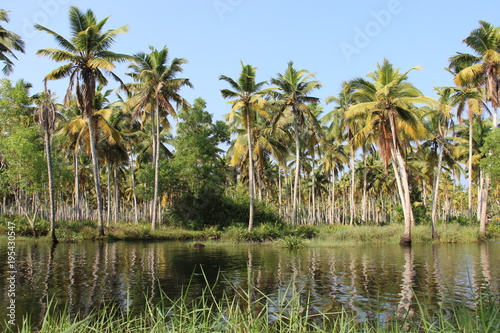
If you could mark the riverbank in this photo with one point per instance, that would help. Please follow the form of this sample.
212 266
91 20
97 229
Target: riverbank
286 235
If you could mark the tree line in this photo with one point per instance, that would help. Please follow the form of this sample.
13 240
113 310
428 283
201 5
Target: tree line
377 152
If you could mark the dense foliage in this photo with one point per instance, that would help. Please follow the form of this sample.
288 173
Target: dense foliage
378 153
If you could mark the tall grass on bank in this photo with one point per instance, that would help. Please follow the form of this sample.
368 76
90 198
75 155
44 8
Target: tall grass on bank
250 310
335 234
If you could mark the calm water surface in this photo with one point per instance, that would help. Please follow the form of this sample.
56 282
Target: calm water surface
386 278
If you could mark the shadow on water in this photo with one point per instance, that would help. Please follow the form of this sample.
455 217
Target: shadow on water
371 282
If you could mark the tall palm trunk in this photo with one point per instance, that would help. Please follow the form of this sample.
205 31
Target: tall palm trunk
154 208
364 209
108 205
435 191
97 178
77 186
352 208
116 192
297 171
403 185
471 130
48 152
136 217
251 181
483 204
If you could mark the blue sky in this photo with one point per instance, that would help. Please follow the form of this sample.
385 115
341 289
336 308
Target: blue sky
338 40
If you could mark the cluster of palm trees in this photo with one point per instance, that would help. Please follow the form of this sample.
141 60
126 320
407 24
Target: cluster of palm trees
384 152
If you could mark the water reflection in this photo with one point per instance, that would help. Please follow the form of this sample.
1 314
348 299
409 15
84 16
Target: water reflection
371 282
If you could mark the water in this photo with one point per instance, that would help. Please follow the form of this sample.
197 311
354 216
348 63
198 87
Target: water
385 278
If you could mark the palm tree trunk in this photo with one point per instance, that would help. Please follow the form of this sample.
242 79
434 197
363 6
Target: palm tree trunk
136 217
77 186
251 182
97 178
116 192
471 129
484 204
108 205
435 191
48 152
333 198
280 212
352 209
364 209
405 198
297 171
154 208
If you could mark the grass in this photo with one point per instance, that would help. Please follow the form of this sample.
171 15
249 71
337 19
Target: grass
73 231
250 310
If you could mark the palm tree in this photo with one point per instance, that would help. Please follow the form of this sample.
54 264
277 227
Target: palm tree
247 99
482 70
343 101
88 59
293 95
470 98
9 43
155 90
386 108
46 118
442 120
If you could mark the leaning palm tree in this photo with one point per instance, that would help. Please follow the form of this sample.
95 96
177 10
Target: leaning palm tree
483 69
87 59
387 110
293 95
154 92
247 98
9 43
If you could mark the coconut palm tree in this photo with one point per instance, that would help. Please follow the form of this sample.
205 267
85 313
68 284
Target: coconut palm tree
344 130
483 69
247 98
46 118
88 59
154 93
442 122
9 43
293 95
386 109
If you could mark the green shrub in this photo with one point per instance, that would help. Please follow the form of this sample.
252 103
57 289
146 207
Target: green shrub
291 242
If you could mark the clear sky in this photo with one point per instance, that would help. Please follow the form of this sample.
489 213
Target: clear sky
338 40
